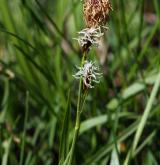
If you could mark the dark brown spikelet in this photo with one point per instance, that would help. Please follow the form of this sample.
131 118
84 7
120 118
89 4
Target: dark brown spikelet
96 12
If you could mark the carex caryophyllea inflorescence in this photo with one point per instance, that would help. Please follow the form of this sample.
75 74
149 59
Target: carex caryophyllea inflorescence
89 73
96 14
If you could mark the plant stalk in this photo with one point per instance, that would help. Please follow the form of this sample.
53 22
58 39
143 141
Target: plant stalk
78 116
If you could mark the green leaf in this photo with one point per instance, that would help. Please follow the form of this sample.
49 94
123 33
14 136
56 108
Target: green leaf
6 145
146 113
103 151
65 132
24 129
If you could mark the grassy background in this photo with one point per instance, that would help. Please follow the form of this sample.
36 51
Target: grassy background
38 94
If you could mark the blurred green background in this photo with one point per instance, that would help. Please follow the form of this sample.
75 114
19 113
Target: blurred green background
38 93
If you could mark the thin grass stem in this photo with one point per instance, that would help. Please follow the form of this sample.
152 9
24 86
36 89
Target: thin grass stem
78 116
24 130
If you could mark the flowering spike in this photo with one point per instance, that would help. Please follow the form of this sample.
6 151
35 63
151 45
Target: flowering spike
89 36
89 73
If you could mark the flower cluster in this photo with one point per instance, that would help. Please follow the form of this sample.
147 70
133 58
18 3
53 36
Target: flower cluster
95 15
89 73
89 36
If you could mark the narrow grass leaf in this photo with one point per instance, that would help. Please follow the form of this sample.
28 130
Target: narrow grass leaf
114 158
108 147
37 66
65 132
99 120
4 104
24 129
150 159
6 145
145 142
146 113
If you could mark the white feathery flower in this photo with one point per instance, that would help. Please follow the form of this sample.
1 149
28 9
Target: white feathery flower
89 35
89 73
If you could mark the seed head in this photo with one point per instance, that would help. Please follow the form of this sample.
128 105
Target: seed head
96 12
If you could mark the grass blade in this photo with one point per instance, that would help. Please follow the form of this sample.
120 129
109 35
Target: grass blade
108 148
6 146
64 136
24 129
146 114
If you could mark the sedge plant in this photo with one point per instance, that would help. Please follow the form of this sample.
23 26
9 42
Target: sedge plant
95 16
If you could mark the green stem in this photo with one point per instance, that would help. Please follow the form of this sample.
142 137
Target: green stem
24 129
78 116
